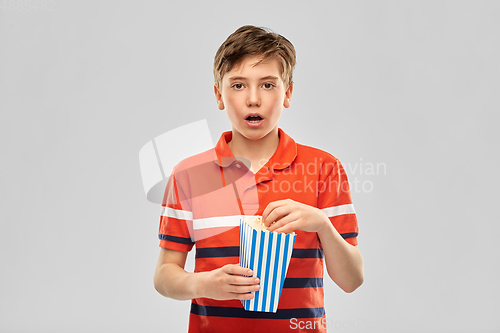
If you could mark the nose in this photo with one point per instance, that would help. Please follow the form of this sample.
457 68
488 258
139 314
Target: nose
253 97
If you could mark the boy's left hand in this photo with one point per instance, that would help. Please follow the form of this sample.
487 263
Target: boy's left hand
290 215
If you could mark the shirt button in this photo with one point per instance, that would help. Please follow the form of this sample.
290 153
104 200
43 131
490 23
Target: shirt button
238 165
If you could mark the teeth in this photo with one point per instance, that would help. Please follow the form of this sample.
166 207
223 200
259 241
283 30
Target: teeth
254 119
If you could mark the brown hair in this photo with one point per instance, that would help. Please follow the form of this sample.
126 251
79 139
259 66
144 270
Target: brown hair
248 41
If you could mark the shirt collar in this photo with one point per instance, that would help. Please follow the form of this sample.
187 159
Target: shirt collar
283 156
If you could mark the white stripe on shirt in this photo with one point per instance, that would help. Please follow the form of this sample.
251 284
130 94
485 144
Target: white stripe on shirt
234 220
339 210
176 213
218 221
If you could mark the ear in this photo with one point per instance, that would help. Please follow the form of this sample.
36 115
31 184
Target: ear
218 98
288 96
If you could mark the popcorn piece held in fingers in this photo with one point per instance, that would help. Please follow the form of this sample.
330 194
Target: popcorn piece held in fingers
257 223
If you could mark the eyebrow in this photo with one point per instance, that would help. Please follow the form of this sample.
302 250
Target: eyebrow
269 77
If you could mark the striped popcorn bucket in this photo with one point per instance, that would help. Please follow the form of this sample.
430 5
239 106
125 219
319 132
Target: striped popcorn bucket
267 254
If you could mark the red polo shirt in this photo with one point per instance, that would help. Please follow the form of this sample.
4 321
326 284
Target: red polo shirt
205 198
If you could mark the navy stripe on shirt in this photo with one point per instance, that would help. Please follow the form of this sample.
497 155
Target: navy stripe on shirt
349 235
215 252
303 283
176 239
222 311
234 251
307 253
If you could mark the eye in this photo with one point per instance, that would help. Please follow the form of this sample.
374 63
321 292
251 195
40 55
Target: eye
237 86
268 85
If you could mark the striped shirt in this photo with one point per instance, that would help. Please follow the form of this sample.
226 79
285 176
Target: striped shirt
207 194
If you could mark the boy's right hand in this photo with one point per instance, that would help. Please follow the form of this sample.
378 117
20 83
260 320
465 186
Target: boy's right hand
225 283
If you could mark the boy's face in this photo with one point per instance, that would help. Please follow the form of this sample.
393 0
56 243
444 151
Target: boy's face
254 97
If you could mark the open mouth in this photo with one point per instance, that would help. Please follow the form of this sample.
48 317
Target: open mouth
254 119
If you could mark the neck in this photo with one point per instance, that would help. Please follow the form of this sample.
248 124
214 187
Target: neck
258 152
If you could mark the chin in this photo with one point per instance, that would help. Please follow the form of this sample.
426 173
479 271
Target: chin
256 134
254 137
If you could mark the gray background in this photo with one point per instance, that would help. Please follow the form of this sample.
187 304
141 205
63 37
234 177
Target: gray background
410 85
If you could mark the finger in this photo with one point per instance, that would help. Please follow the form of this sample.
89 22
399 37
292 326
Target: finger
244 289
245 296
282 222
235 269
277 214
245 281
288 228
270 207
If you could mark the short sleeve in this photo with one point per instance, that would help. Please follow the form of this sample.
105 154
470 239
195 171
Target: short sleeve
176 218
334 198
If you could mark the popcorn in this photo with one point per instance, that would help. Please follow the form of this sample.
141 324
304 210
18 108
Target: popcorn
258 219
257 223
267 254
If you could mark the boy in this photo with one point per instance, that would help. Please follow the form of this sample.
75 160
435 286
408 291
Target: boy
256 169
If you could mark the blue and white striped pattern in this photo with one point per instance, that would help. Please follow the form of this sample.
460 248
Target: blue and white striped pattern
267 254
